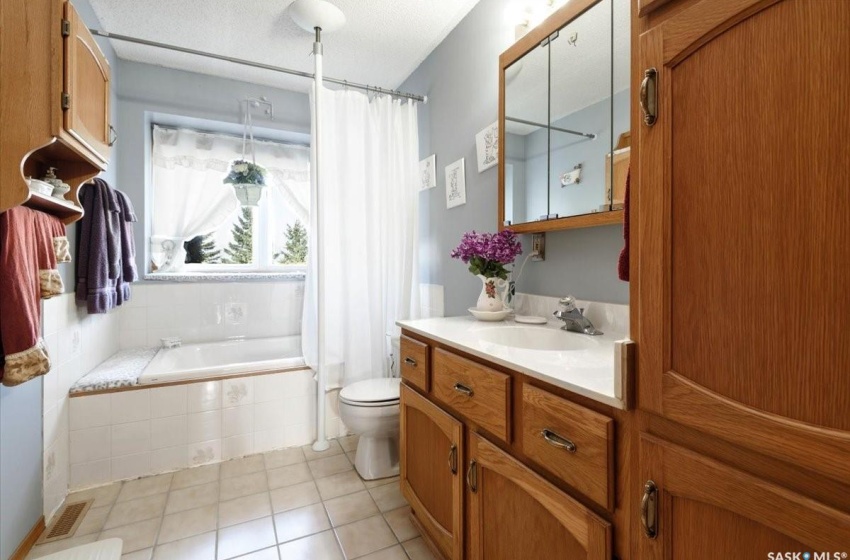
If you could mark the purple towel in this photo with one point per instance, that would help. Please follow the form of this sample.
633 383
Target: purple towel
128 248
99 258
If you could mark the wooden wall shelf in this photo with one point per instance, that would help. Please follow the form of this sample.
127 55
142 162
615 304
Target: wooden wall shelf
65 210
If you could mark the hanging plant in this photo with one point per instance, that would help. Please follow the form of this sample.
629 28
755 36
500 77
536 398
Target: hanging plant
244 172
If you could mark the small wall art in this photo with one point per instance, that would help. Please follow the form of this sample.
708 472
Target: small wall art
455 184
487 146
428 172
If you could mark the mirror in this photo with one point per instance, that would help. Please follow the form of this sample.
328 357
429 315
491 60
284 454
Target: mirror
565 109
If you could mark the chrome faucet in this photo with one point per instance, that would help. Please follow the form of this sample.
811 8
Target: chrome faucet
573 318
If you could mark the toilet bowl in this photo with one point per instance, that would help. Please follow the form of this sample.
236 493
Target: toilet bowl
370 409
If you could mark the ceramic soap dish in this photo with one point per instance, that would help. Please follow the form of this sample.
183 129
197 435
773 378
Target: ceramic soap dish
490 315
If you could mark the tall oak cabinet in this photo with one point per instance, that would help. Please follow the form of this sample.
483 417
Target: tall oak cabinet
741 277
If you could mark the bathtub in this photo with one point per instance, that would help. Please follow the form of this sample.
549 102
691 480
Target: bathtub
223 359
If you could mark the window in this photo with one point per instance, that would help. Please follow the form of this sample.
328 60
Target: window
197 223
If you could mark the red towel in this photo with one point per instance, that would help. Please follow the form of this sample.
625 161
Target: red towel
623 263
24 249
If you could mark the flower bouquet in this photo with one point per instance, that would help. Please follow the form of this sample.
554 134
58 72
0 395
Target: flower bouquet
487 254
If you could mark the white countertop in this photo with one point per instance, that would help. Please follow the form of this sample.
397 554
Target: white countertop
590 371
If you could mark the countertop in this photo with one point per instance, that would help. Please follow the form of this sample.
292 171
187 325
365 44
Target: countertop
591 372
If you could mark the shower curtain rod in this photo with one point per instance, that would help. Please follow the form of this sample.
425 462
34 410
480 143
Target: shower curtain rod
345 83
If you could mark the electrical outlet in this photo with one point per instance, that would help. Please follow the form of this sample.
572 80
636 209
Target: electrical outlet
538 245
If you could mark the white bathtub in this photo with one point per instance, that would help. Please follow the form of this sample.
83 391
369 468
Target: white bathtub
221 359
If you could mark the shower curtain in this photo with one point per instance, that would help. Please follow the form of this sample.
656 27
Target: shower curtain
368 203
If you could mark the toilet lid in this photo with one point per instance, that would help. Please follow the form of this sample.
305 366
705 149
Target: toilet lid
371 391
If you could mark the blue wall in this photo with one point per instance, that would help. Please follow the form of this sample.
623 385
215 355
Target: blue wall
461 79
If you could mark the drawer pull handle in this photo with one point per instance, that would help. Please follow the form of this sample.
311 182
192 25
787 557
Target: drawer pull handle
453 458
649 510
461 388
472 476
410 361
558 441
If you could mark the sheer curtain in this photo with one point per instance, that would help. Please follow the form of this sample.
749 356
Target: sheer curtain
369 161
189 197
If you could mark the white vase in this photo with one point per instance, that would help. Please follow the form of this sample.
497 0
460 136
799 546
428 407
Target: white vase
492 296
248 194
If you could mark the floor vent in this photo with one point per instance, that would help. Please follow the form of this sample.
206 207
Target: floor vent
65 522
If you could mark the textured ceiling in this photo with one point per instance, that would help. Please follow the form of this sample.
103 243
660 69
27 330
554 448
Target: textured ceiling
581 73
382 43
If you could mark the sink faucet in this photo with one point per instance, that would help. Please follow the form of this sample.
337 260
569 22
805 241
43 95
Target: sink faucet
573 318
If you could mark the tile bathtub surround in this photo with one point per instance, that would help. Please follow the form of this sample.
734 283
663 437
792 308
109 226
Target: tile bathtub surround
189 514
141 432
76 342
214 311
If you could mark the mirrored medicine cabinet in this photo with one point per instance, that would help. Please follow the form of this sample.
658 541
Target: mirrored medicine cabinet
564 119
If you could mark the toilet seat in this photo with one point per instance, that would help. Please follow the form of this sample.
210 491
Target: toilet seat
372 393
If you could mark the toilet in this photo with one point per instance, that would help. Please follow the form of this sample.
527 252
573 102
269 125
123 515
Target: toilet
370 409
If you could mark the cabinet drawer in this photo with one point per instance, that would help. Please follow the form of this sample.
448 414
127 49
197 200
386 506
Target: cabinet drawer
570 441
414 362
475 391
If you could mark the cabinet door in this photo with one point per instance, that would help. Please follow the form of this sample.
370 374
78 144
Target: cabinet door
705 510
744 310
514 513
87 87
431 457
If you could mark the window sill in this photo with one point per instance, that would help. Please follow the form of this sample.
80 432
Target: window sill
224 276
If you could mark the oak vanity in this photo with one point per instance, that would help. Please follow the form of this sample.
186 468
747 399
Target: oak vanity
509 438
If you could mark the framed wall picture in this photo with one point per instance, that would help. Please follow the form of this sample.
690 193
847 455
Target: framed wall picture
487 147
455 184
428 172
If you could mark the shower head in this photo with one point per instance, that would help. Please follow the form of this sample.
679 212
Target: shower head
310 14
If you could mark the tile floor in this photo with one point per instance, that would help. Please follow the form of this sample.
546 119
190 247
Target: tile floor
290 504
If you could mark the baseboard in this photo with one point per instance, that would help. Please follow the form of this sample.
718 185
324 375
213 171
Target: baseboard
26 544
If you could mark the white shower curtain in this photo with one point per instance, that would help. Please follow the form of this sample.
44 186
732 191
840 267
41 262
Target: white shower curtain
368 164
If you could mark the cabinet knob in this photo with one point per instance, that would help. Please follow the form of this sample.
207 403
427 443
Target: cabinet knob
410 361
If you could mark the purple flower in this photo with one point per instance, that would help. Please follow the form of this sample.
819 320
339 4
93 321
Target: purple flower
487 253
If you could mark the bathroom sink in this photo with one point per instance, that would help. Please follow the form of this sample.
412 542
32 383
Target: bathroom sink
536 338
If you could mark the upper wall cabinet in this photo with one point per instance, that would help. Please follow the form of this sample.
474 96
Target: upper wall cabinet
564 119
54 104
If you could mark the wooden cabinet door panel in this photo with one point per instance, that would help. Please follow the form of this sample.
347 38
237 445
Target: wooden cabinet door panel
514 513
708 510
431 446
744 307
87 84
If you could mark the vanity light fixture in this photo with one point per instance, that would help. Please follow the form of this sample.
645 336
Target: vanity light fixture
525 15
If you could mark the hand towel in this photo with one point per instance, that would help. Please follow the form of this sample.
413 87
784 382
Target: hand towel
48 230
23 251
623 263
99 256
128 247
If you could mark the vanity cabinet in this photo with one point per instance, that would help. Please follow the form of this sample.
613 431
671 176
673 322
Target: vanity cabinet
514 513
431 457
54 104
739 275
496 465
